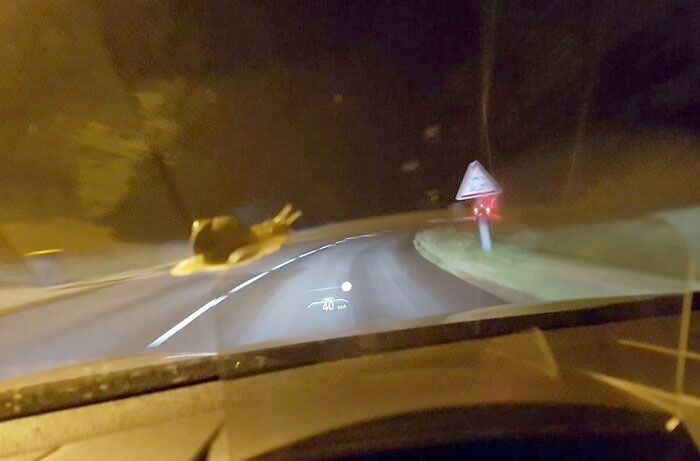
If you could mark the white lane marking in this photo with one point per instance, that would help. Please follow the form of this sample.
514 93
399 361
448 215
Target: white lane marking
354 237
248 282
186 321
281 265
193 316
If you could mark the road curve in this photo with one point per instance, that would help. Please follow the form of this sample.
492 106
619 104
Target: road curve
279 298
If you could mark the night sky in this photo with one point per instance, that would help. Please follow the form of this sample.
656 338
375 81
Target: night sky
428 40
425 39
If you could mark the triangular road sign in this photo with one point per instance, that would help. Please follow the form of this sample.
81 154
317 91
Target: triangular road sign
477 182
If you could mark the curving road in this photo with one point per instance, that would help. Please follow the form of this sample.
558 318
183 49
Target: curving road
279 298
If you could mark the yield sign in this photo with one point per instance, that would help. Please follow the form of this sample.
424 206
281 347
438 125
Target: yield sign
477 182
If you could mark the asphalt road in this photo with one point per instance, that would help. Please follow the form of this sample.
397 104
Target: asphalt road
278 298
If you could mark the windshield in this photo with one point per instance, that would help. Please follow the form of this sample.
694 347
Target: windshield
182 179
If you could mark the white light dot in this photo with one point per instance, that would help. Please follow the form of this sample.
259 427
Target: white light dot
672 423
346 286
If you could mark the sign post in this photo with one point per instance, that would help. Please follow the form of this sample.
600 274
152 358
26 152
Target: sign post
478 184
484 233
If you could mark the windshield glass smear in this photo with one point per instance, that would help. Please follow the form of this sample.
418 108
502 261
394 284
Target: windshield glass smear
182 180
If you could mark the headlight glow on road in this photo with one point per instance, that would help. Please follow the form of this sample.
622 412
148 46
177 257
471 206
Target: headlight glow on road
346 286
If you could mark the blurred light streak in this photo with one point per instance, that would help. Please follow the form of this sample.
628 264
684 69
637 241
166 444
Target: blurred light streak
446 221
431 131
188 355
659 349
683 337
410 166
490 10
323 289
586 103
